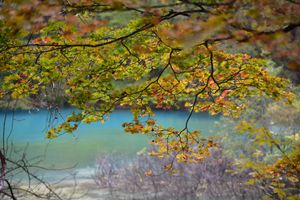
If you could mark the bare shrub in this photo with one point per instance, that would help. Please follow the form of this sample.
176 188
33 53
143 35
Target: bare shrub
145 178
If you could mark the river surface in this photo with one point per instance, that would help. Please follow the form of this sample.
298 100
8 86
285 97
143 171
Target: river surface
81 149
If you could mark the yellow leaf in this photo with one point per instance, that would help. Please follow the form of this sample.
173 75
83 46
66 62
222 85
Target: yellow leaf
148 173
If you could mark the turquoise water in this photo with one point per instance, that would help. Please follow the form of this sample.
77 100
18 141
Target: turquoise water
90 140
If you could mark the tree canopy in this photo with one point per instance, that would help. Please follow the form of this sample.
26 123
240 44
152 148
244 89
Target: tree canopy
145 55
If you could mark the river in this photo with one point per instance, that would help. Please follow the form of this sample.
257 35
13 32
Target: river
81 149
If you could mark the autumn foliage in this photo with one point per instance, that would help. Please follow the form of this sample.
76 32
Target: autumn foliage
101 55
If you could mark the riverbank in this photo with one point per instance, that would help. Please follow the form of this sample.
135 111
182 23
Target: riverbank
28 104
83 189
